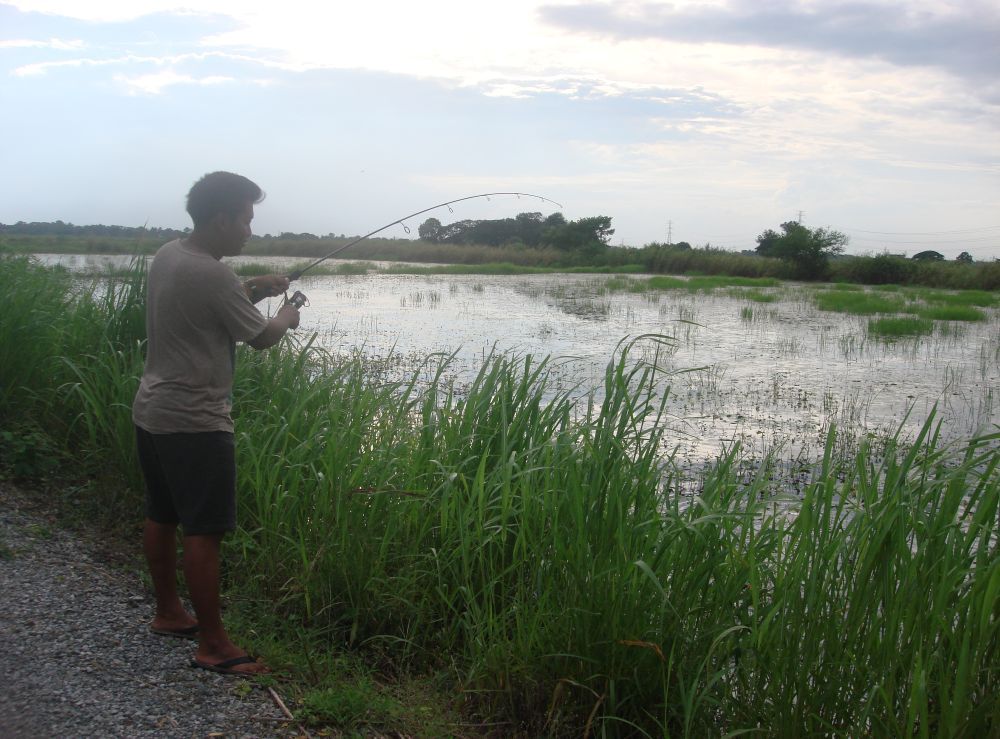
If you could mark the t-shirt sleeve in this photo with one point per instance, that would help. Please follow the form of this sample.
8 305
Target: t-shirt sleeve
241 319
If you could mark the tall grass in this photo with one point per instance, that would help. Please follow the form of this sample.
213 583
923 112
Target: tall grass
537 554
74 360
35 304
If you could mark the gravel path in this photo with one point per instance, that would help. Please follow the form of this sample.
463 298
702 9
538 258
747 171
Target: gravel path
76 656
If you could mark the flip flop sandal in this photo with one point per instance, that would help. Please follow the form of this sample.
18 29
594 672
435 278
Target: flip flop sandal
226 668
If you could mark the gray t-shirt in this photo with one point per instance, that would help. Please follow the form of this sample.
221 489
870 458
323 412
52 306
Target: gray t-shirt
196 311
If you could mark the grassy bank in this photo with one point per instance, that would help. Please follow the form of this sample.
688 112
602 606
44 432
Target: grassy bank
533 558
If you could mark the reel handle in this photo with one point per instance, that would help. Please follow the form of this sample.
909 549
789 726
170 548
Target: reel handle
298 299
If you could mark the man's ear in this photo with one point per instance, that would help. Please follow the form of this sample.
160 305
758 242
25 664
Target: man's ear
220 222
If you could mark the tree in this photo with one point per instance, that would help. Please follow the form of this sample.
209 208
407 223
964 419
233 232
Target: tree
928 256
430 230
529 228
964 257
593 233
807 250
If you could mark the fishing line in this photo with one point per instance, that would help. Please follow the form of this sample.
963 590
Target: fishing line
299 272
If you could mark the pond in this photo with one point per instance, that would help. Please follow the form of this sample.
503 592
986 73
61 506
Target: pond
771 376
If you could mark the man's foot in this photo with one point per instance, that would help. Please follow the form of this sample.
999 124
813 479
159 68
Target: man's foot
187 632
178 623
242 666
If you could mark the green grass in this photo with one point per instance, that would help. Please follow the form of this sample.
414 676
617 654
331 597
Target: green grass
753 295
952 313
859 303
495 268
966 298
900 326
532 556
709 283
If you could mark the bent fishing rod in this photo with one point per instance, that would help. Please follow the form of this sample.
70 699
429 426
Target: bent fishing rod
298 299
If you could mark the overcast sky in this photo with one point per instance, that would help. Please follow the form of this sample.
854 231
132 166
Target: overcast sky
705 121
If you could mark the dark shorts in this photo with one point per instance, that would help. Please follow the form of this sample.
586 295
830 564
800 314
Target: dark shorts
190 480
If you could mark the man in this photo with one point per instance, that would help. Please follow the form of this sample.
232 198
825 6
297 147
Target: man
197 310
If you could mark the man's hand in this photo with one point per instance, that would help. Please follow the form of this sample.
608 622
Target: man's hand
286 319
290 314
265 286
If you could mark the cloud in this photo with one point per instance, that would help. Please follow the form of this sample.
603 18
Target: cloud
154 84
962 40
52 43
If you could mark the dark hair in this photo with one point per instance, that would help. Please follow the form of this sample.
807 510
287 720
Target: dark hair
221 192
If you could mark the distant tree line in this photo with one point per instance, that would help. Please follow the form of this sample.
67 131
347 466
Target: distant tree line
526 229
58 228
794 252
935 256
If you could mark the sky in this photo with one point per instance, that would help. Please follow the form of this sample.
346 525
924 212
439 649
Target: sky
706 121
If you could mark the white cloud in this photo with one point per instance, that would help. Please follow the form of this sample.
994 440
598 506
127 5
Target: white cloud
117 10
52 43
154 84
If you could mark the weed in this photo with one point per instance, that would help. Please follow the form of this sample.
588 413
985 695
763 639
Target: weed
351 705
40 531
27 453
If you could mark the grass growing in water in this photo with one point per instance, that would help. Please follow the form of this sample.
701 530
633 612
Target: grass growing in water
979 298
706 284
952 313
535 555
859 303
897 326
753 295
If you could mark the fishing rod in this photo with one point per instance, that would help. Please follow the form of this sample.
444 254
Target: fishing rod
299 272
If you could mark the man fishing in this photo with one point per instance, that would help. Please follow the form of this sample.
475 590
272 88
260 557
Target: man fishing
197 310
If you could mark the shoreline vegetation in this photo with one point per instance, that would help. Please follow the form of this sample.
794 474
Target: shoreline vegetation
881 269
407 552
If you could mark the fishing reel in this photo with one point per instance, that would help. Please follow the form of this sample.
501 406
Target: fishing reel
298 299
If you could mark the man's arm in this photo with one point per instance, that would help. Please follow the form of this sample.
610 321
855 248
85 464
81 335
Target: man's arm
285 319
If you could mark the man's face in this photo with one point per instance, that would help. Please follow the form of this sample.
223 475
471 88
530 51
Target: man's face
234 230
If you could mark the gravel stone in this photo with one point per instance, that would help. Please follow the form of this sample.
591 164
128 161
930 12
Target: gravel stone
77 658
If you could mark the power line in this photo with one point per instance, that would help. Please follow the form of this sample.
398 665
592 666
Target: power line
978 240
925 233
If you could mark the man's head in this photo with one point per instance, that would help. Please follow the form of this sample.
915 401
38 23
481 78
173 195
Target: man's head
221 206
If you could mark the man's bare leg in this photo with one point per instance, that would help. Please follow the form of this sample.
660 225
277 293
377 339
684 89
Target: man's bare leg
159 543
201 569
